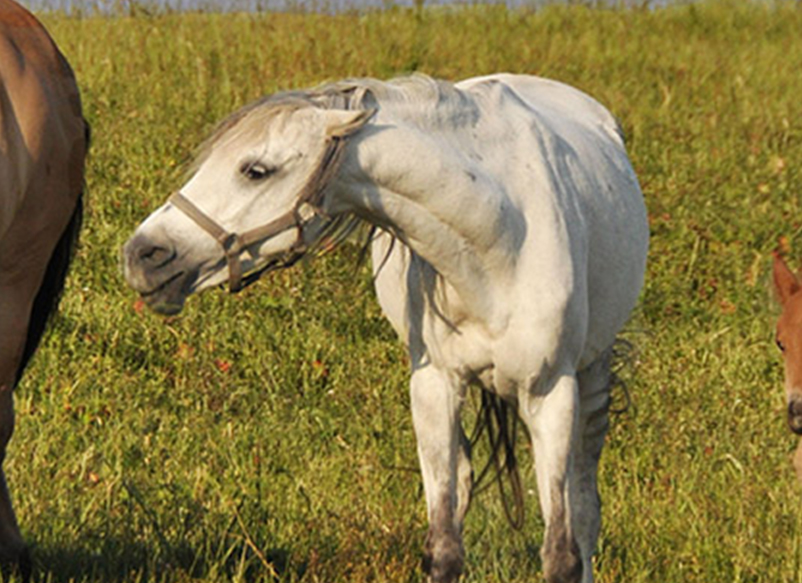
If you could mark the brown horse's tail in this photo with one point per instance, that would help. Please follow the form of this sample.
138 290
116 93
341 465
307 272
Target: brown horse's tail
49 294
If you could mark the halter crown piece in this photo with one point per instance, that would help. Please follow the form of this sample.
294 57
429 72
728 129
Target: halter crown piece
307 206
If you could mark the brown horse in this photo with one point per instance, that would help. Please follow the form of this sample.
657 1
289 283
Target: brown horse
43 144
788 286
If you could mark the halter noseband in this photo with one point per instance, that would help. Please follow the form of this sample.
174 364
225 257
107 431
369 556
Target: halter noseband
305 209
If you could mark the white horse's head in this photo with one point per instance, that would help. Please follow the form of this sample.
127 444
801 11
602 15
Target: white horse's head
253 203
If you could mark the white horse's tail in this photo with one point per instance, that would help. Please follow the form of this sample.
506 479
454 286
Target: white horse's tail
499 420
622 358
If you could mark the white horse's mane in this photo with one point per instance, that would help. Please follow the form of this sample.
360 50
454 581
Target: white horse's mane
417 98
411 97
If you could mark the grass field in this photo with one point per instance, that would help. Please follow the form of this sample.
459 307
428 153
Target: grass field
268 434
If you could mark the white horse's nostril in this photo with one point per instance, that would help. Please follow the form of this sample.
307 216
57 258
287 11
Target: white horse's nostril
143 253
156 256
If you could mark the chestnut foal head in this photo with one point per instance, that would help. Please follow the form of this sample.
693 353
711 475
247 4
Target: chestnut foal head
788 286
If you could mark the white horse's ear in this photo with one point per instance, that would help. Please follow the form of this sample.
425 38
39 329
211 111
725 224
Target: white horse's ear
342 123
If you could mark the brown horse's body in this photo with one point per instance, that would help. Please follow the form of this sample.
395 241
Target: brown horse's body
788 286
43 143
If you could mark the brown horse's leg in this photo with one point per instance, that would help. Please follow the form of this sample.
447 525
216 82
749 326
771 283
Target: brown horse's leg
12 547
34 256
15 306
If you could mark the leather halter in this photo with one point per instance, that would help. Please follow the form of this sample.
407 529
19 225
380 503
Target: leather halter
307 206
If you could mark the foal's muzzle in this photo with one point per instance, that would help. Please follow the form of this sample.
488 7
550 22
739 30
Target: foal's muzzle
795 415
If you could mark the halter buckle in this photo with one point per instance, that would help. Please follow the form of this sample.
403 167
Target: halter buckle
232 244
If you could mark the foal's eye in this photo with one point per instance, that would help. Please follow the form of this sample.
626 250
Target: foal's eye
780 345
256 170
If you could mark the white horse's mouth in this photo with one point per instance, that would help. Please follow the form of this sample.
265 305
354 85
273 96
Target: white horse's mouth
162 286
168 297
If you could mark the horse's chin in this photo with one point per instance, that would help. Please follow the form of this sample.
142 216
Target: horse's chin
165 307
168 299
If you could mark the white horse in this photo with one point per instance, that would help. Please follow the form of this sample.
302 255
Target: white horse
512 248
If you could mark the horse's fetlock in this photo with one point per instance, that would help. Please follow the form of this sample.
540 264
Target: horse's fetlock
566 569
562 561
443 558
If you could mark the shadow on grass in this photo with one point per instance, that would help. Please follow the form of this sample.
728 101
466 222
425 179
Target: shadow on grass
117 561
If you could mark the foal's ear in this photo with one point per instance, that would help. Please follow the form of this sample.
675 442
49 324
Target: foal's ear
786 283
341 123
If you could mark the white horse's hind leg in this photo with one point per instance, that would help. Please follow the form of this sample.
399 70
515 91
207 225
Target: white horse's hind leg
435 415
464 480
552 418
594 401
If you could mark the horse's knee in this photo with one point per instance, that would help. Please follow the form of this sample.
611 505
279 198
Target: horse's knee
562 561
443 556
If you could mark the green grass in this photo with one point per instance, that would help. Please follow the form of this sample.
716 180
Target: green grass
270 431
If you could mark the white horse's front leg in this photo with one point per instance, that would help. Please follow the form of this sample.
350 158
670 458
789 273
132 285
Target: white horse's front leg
552 418
436 399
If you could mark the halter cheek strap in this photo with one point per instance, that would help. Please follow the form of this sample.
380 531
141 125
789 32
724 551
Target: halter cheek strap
234 244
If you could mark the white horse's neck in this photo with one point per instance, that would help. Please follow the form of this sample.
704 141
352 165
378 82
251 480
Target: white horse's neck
441 205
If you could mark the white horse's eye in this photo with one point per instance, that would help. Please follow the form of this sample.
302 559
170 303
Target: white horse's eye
256 170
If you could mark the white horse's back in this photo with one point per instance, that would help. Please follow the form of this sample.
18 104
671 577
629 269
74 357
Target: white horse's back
564 105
